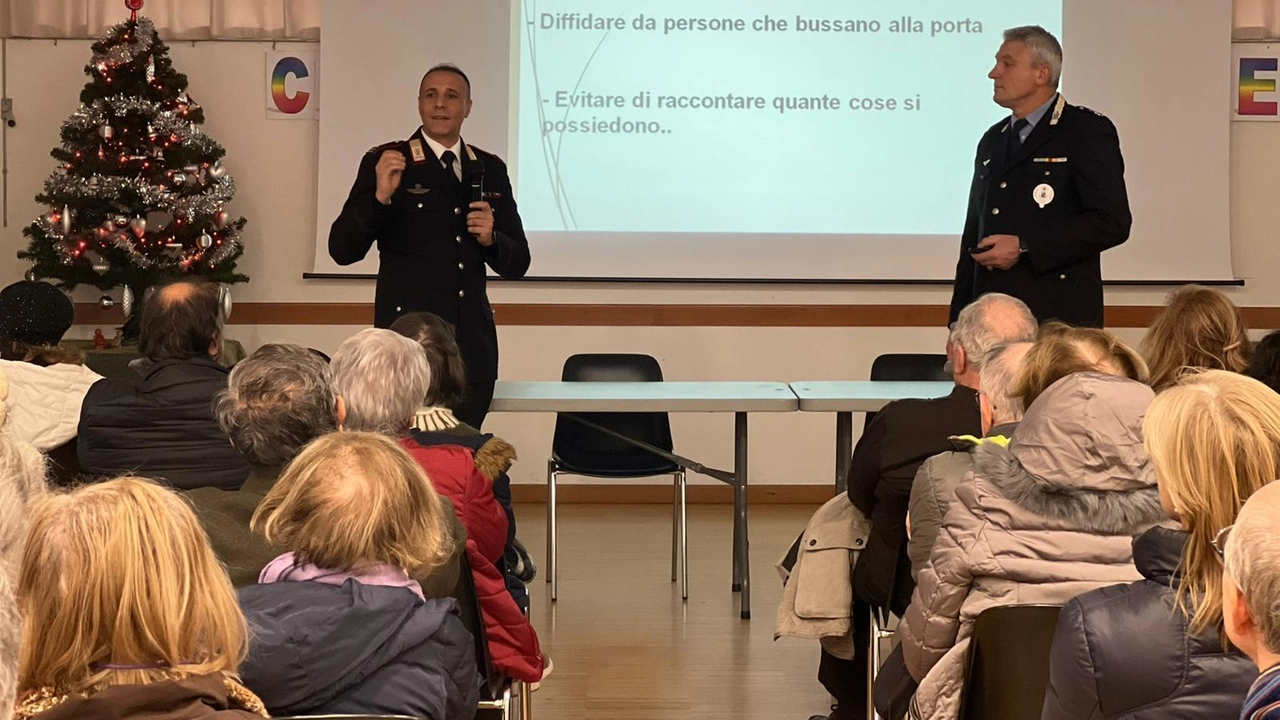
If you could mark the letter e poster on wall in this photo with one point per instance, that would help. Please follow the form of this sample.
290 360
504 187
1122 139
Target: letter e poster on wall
293 85
1255 71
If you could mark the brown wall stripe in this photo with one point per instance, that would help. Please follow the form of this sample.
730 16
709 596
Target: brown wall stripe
548 314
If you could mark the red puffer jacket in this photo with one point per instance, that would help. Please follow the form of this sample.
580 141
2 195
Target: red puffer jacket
513 643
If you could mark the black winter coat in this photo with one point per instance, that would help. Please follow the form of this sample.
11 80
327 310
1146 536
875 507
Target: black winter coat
892 448
356 649
158 423
1124 652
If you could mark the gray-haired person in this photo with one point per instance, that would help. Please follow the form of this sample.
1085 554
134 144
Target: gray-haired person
1251 596
935 482
277 400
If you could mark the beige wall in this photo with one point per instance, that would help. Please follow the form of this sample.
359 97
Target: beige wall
274 163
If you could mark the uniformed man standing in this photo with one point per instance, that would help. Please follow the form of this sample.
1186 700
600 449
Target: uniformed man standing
414 197
1048 193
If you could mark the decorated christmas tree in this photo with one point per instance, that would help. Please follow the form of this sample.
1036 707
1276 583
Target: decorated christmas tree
138 194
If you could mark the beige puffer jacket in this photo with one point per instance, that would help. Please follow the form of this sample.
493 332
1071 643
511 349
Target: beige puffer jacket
1041 521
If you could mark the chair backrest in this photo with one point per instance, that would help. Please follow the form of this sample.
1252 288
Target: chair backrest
587 449
1009 662
907 367
910 366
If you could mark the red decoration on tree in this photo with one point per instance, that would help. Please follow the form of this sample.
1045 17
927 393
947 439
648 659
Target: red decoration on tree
134 6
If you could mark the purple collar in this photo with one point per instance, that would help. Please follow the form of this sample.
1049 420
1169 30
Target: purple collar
286 568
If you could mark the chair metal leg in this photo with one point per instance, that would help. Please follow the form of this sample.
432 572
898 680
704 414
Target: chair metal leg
551 529
675 525
526 702
873 664
684 536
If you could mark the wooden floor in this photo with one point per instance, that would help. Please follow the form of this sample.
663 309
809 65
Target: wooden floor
624 645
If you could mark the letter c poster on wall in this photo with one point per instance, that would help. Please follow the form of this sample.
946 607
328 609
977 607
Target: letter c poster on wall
293 85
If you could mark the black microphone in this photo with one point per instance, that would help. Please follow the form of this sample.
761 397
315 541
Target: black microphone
475 179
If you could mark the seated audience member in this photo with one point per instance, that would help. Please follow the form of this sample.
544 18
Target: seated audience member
10 647
278 400
1251 596
1264 365
159 421
126 612
892 447
1214 440
1060 351
1048 517
47 383
339 625
22 485
935 483
1064 350
435 424
1198 328
383 376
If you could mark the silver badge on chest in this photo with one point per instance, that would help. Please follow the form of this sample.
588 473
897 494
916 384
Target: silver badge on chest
1043 194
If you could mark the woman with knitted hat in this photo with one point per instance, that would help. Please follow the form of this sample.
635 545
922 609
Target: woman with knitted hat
47 383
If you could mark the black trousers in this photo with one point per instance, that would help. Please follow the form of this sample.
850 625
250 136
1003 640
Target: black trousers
475 406
846 680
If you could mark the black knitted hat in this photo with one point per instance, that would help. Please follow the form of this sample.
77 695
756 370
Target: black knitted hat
35 313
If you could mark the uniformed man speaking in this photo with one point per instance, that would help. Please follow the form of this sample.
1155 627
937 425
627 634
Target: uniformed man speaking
1048 193
440 211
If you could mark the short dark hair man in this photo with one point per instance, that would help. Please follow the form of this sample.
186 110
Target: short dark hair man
158 421
414 198
1048 193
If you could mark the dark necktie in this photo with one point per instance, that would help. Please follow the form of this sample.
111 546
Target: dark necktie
446 160
1015 137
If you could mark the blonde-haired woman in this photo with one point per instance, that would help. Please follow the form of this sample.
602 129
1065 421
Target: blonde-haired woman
1155 648
1063 350
339 625
126 611
1199 328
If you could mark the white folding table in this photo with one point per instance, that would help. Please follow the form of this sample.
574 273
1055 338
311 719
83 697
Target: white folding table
844 398
739 398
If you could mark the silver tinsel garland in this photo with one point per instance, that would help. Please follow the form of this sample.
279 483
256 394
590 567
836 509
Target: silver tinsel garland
143 38
163 122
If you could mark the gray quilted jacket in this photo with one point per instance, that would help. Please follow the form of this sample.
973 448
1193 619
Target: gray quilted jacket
1048 518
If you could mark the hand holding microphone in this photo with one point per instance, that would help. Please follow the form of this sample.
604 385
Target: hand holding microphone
480 219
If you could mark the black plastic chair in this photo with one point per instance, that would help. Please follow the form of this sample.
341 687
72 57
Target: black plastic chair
498 693
1009 662
909 367
577 449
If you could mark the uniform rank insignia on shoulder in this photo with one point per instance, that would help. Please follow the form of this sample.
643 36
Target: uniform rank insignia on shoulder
1089 109
483 152
384 146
